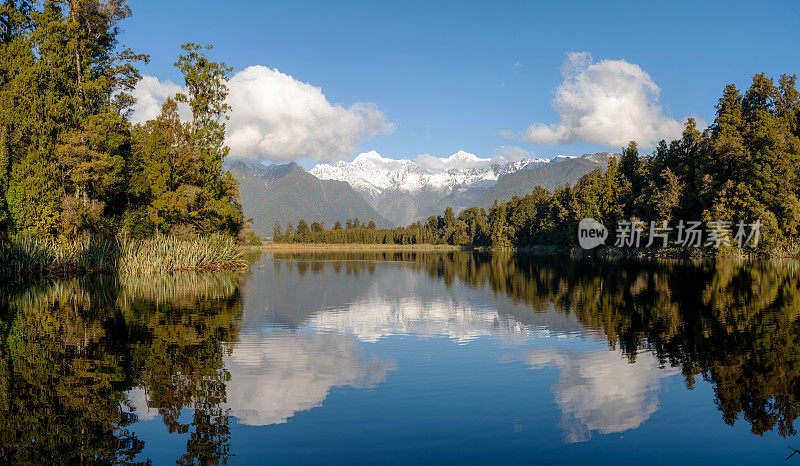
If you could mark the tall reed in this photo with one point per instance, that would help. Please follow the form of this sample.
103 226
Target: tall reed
166 253
28 255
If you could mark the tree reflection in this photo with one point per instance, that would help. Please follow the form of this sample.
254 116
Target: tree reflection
71 350
73 353
735 324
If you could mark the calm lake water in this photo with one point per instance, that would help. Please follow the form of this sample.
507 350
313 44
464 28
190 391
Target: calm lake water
406 358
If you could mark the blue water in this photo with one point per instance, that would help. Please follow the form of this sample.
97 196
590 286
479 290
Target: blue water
391 365
370 358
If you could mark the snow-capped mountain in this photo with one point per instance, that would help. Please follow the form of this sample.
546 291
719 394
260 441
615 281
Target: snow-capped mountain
562 158
371 174
405 191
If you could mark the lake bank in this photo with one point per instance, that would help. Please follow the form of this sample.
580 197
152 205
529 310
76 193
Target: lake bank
310 247
609 252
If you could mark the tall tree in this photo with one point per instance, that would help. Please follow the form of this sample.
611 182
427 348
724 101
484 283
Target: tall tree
206 81
64 92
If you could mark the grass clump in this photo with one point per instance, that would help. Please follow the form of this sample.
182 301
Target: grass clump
28 255
166 253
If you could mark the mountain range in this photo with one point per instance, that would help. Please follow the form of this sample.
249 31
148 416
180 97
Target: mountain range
560 171
394 192
287 193
405 191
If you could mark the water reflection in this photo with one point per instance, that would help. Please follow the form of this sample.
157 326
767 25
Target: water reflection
80 358
600 390
83 360
274 378
734 324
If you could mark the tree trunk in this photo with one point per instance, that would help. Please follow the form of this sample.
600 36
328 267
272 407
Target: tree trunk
73 5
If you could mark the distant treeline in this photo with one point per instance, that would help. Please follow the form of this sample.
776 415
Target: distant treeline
437 230
71 163
743 168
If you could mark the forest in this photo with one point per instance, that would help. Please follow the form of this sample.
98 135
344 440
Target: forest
72 165
743 168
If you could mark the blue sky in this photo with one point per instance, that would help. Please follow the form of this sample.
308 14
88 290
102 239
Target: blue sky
450 75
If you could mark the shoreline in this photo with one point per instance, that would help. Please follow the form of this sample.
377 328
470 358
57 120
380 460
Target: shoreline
600 253
306 247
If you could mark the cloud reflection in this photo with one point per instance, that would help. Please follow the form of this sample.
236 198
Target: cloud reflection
601 390
276 376
375 318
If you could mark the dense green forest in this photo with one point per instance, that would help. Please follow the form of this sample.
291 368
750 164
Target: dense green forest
744 167
73 166
71 163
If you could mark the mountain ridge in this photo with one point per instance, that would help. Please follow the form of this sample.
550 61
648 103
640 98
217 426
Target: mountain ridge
560 171
404 191
287 193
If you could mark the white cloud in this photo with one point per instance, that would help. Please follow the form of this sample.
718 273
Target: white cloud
610 102
279 118
138 403
150 94
514 153
274 378
276 117
506 134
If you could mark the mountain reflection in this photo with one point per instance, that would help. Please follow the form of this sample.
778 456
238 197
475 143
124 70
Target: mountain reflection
733 324
82 360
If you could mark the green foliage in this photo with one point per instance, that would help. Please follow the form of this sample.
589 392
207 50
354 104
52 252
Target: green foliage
167 253
206 81
71 164
469 228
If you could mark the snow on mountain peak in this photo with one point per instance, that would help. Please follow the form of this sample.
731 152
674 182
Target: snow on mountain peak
463 155
371 174
459 161
561 158
371 155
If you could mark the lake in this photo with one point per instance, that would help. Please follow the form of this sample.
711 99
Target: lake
367 357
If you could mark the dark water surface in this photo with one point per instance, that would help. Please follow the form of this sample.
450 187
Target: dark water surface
406 358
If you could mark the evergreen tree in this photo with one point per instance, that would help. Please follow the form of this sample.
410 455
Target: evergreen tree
629 162
303 233
276 232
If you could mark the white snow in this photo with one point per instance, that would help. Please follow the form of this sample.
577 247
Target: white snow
562 158
370 173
